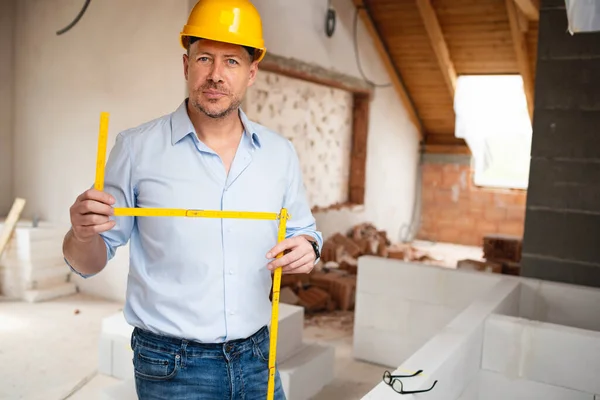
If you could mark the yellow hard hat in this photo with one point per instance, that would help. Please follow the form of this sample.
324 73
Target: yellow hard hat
229 21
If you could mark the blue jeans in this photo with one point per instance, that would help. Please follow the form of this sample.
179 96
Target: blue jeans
168 368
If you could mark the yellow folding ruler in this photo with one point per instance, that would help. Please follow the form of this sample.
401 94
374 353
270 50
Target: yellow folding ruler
282 216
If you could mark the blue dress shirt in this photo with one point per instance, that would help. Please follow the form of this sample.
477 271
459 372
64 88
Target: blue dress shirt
202 279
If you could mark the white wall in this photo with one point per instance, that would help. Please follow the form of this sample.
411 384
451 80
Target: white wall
7 14
400 305
542 352
295 29
560 303
122 57
453 355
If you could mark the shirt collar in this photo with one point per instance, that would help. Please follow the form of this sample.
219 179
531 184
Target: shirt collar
181 126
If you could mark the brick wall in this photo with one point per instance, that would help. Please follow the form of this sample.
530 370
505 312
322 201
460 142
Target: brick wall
563 207
454 210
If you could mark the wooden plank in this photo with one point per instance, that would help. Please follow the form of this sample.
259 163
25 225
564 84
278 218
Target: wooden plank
389 66
11 222
520 45
530 8
446 149
358 161
438 43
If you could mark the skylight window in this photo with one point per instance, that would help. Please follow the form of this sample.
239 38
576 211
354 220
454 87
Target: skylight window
492 117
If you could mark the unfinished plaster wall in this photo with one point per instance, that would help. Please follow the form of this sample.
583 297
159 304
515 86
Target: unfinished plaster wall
7 18
296 30
318 121
122 57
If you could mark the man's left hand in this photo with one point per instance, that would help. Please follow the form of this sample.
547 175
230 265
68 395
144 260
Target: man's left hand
299 256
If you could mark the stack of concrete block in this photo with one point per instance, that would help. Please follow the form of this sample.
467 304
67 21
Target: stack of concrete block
401 305
305 368
32 267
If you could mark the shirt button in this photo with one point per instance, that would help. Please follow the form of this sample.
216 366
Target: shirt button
231 313
230 272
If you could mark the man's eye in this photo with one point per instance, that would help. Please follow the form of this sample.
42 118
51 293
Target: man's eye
203 59
232 61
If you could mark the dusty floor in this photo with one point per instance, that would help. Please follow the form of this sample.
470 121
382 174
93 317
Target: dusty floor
49 351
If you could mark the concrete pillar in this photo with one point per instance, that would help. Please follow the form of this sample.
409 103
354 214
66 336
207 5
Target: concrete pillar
562 223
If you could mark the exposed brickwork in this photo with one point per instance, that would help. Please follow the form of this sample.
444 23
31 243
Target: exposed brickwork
455 210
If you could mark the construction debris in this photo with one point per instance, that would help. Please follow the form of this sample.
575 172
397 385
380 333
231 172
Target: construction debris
502 247
331 286
335 320
502 255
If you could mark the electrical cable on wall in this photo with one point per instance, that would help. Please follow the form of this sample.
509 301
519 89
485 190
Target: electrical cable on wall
409 231
76 20
357 56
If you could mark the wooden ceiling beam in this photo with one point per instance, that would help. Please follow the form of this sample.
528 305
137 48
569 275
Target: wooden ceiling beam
438 42
531 8
520 45
389 66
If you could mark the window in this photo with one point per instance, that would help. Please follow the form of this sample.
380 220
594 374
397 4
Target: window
492 117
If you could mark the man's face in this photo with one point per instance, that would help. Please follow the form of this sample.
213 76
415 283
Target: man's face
217 76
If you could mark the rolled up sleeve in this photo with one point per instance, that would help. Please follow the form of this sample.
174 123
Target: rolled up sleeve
118 183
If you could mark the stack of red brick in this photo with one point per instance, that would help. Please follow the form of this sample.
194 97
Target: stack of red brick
502 254
332 284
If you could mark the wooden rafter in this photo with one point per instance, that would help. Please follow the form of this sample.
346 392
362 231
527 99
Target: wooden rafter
530 8
389 66
438 43
520 45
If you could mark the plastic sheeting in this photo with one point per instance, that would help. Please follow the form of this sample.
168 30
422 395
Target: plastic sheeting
583 15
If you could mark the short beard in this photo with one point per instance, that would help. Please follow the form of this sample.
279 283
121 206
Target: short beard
235 104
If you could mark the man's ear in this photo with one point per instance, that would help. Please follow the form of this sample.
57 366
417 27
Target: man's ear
186 61
253 73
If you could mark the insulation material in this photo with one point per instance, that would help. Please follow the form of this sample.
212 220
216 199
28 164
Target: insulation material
583 16
318 121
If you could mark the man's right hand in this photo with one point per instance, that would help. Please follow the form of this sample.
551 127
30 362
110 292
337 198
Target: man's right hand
90 215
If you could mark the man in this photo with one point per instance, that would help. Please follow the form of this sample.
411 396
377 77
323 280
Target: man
198 289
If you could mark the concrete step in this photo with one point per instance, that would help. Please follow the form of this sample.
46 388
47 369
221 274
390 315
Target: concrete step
302 376
290 328
308 371
124 390
115 354
65 289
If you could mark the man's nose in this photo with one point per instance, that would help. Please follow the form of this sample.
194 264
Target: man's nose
216 72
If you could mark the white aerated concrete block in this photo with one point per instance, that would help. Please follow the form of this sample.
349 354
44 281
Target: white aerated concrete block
121 391
405 304
53 292
290 328
32 266
307 372
495 386
302 376
383 348
114 347
453 356
115 353
543 352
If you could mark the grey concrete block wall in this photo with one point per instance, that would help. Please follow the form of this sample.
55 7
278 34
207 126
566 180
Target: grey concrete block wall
562 223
